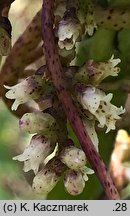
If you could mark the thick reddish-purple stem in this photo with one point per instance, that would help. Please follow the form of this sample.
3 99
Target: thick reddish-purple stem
57 75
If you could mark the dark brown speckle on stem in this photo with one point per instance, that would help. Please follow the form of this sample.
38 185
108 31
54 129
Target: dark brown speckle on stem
59 81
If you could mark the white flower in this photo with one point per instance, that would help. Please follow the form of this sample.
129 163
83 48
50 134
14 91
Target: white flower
98 104
97 71
90 128
28 89
38 122
68 33
35 153
73 157
74 182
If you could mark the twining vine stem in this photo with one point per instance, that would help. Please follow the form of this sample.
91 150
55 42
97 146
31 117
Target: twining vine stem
59 81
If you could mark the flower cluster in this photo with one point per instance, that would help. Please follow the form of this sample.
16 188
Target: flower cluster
75 177
95 101
44 127
48 123
42 144
72 25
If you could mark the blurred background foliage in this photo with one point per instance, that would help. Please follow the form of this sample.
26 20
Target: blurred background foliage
12 181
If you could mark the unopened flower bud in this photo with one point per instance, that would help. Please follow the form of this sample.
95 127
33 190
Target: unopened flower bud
45 181
35 153
74 182
48 177
73 157
28 89
37 122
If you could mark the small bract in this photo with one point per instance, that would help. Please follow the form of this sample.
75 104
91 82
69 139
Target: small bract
90 128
